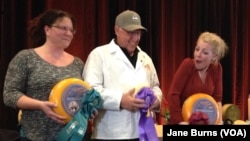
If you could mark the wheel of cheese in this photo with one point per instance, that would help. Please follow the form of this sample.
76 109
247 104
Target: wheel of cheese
139 87
19 116
231 112
239 122
67 94
201 102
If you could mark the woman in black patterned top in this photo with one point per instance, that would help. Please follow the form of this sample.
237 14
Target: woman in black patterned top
32 73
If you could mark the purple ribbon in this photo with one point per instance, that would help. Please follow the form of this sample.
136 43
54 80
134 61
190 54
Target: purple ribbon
146 124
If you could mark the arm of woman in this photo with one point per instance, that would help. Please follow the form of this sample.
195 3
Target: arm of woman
218 93
176 91
15 87
25 102
220 113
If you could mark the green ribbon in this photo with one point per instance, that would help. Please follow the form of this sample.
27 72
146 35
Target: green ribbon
76 128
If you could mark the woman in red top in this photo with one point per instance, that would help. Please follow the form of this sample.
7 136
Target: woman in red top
201 74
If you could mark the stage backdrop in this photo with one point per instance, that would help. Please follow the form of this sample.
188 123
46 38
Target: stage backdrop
173 27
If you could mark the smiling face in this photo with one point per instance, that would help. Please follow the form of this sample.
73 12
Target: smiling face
128 39
203 55
60 33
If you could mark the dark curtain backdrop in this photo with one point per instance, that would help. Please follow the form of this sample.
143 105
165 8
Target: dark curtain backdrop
173 27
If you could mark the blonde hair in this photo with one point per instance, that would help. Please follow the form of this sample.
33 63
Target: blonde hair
219 46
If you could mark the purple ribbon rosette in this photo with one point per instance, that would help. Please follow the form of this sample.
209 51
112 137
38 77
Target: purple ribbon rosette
146 123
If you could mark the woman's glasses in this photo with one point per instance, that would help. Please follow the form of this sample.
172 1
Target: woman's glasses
65 29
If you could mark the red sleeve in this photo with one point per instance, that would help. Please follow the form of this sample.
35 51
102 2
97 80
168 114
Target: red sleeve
178 84
218 91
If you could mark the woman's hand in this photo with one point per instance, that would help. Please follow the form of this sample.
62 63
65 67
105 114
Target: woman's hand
47 108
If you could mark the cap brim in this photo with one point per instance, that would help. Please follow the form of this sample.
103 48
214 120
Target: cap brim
134 27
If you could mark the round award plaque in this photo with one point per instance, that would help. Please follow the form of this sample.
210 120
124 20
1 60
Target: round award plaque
68 94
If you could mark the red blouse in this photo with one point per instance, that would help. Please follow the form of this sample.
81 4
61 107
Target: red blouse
187 82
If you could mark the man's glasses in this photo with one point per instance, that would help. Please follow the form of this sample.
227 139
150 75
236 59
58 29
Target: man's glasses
133 33
65 29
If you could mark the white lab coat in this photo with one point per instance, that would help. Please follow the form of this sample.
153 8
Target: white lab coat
109 71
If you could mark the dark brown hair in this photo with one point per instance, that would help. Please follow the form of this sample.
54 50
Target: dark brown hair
49 17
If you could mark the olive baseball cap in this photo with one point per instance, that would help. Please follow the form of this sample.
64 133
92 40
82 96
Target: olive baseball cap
129 20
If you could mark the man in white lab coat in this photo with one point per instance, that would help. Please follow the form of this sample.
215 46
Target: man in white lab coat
116 70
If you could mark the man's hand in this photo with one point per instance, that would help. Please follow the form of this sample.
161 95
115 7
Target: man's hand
131 103
155 106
